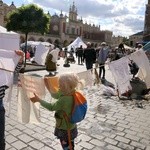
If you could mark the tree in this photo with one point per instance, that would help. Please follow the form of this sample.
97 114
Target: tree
26 19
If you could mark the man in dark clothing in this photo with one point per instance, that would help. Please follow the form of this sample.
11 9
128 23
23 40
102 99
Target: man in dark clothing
121 48
80 55
89 56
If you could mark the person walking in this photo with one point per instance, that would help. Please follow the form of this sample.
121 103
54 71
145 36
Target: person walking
80 55
2 109
102 57
89 56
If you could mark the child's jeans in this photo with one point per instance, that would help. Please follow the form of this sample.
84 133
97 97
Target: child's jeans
65 144
2 126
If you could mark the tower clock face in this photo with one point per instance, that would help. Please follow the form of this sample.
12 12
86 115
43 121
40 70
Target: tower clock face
55 27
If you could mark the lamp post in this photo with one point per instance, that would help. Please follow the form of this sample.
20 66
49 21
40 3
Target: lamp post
24 24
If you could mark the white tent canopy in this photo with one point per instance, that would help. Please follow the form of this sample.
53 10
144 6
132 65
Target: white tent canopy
9 40
127 47
76 43
36 43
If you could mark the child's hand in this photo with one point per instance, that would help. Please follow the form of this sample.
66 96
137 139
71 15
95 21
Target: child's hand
35 98
20 53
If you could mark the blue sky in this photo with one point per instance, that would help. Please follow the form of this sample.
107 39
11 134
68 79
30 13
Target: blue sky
123 17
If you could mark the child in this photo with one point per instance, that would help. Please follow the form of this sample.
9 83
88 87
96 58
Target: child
67 85
2 109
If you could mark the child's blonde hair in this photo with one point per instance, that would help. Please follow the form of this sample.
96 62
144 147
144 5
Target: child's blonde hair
68 82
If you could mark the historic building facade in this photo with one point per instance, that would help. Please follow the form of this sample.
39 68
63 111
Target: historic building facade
136 38
146 34
116 40
4 10
63 29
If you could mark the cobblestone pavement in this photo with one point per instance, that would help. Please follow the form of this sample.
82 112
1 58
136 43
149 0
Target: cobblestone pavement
110 124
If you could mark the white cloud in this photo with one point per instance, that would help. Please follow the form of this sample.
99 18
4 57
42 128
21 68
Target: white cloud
123 17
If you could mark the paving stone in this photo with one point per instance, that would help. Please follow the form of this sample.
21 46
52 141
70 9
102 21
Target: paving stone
122 121
12 148
8 127
28 131
137 129
19 145
101 115
20 127
38 136
148 147
145 141
101 119
125 146
122 139
130 132
10 139
97 142
123 125
111 118
83 137
111 147
120 133
136 125
28 148
111 141
138 145
15 132
8 146
111 122
119 117
46 148
142 135
130 120
31 126
99 148
25 138
39 130
78 147
119 128
86 145
99 137
132 137
36 144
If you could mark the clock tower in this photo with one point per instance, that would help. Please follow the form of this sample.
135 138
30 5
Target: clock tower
73 13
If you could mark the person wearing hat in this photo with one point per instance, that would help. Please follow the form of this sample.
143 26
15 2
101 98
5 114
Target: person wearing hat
139 47
102 57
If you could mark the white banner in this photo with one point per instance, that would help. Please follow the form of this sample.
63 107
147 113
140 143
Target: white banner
27 110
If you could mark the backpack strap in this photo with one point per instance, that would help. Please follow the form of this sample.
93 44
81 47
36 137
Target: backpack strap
67 121
68 130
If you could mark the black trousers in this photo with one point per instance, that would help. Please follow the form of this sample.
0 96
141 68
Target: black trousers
2 126
101 70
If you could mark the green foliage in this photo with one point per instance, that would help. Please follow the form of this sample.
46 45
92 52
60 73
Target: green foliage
28 18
